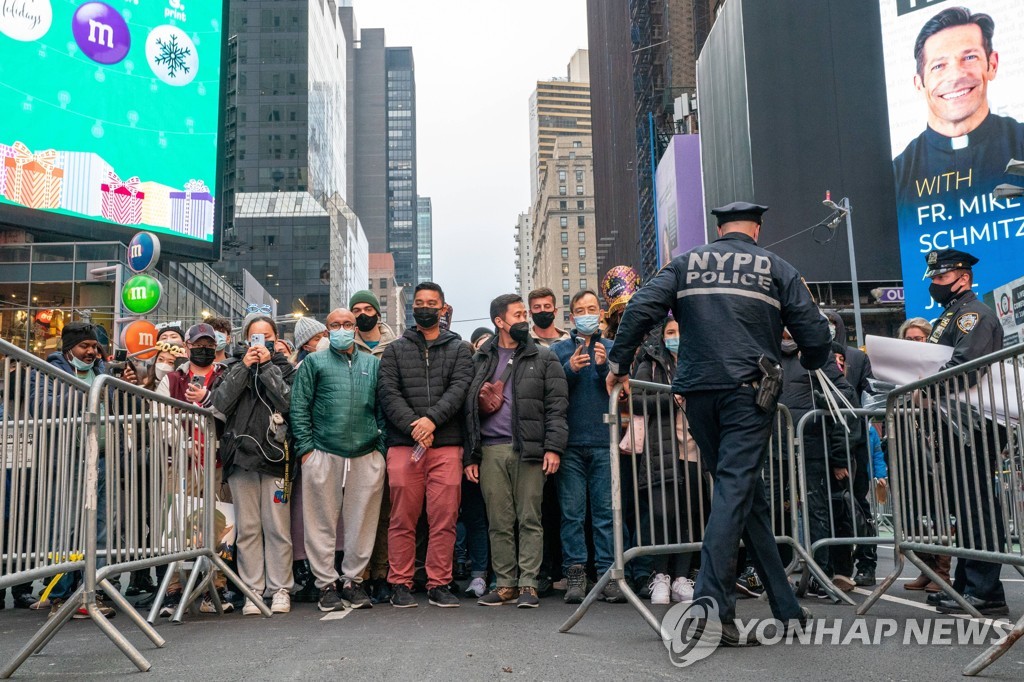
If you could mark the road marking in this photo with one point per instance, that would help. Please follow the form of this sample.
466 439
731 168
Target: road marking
931 609
336 615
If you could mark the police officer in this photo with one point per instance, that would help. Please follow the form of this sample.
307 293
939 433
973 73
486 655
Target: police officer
973 330
732 300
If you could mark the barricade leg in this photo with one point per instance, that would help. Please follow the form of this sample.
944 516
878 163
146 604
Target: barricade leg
192 591
222 566
992 654
591 597
44 634
812 567
161 593
117 638
125 607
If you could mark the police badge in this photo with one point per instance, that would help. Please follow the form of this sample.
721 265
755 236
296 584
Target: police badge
933 258
967 321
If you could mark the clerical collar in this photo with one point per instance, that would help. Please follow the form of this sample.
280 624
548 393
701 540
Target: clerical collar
944 143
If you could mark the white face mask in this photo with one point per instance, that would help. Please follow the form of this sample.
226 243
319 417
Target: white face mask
162 369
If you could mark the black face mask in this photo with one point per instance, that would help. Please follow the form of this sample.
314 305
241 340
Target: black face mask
942 293
365 322
520 332
201 357
427 318
544 319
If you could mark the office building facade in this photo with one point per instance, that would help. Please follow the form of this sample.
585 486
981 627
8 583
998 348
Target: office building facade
424 240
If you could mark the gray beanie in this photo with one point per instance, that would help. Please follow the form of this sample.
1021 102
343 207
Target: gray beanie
305 329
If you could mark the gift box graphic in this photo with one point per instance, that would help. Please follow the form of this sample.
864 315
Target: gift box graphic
33 180
192 210
156 209
122 201
6 151
84 174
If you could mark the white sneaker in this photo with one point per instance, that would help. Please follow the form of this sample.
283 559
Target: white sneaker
282 602
682 590
660 591
477 587
250 609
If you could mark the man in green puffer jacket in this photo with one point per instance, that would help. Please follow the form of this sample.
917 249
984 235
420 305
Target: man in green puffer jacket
338 428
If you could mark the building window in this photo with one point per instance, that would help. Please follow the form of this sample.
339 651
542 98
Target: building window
565 253
565 285
576 144
564 221
565 299
579 176
565 268
579 190
582 236
383 283
371 284
579 205
562 205
583 252
581 221
561 190
572 156
565 237
583 268
561 176
583 284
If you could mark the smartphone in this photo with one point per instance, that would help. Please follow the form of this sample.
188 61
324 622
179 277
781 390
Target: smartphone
258 340
121 355
199 381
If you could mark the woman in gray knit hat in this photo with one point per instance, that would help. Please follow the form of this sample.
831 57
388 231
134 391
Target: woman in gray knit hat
308 332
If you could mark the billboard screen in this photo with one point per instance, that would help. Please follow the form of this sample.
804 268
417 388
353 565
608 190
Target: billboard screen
954 73
680 198
111 119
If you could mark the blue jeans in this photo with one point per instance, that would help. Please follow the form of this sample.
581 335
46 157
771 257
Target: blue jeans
69 581
471 533
586 470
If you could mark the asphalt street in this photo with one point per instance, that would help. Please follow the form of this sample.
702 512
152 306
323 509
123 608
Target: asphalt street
473 642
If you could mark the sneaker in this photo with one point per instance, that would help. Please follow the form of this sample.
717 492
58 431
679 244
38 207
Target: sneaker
170 605
576 585
282 602
843 583
54 607
497 597
864 578
528 598
612 593
749 584
643 585
401 597
816 590
660 589
24 601
330 600
83 613
250 609
682 590
476 588
355 596
443 597
40 605
543 585
141 583
208 607
561 585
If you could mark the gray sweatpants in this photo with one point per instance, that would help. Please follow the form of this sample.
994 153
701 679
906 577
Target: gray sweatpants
264 542
345 487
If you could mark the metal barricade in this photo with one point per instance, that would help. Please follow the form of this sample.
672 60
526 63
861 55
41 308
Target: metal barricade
146 498
661 494
842 513
954 453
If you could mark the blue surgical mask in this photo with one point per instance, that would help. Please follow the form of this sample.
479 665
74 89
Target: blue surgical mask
81 365
587 324
222 340
672 344
342 339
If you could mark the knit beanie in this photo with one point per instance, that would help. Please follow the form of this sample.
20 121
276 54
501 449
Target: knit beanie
305 329
480 331
364 296
75 333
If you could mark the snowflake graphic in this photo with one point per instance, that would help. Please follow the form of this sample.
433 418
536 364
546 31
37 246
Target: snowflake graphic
172 55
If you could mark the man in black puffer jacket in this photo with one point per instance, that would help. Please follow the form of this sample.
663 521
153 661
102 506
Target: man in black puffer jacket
511 450
422 384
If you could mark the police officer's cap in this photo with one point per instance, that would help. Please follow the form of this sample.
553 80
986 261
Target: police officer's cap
944 260
738 210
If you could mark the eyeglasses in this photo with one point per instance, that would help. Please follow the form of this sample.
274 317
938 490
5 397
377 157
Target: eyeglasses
335 326
915 338
259 309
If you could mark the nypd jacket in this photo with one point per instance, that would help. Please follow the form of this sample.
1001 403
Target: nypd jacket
420 380
732 299
334 405
970 327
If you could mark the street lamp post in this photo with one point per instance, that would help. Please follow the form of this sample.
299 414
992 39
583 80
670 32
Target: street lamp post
846 209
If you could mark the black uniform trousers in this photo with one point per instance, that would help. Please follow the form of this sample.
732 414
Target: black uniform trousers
733 435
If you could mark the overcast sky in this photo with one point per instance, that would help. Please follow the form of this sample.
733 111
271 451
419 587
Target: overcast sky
476 65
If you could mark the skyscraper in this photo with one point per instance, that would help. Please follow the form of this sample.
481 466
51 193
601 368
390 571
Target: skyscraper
558 107
424 240
288 147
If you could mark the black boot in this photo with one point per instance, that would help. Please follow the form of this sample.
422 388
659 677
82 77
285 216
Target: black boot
141 583
304 577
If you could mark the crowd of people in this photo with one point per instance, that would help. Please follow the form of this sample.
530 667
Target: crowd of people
366 466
